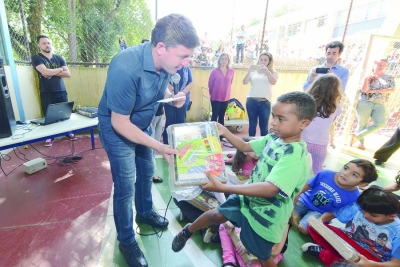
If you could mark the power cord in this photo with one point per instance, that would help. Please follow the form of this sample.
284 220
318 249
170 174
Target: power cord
156 232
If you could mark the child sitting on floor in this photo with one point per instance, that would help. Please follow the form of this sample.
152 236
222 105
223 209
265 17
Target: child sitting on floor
330 190
243 163
262 207
372 229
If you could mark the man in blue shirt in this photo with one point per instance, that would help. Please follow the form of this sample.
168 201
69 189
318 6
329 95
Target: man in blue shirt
333 51
137 78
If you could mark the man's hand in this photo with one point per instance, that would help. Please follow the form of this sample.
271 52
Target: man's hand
180 102
213 185
313 75
167 152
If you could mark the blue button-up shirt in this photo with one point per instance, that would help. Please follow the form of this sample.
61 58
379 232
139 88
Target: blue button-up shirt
341 72
132 88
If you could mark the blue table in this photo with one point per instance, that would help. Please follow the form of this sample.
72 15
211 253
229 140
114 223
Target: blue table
21 136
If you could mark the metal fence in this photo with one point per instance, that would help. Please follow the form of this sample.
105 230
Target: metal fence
83 32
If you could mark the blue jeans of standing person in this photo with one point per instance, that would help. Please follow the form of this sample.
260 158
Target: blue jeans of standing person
239 50
258 112
218 111
132 169
173 116
366 110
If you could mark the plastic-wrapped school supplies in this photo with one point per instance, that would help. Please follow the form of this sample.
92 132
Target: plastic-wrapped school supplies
199 151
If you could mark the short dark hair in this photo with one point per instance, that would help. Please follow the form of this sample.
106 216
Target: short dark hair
368 168
174 30
305 106
40 37
335 44
379 201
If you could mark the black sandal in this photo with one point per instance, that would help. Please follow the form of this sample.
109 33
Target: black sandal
157 179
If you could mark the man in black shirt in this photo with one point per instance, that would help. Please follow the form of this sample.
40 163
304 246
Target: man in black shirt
51 70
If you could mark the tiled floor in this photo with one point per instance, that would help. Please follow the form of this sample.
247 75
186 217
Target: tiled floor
62 215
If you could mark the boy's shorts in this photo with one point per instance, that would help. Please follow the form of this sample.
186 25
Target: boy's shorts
254 243
301 209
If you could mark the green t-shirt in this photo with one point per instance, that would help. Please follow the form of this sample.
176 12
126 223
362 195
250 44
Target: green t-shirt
286 165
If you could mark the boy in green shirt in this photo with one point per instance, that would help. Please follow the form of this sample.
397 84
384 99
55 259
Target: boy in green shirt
262 207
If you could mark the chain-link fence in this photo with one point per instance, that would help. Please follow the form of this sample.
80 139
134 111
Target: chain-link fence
83 32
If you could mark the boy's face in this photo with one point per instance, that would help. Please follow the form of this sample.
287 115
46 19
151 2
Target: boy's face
378 219
285 123
350 175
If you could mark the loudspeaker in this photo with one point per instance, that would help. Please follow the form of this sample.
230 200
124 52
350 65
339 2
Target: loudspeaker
7 119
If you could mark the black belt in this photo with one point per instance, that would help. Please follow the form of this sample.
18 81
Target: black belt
259 99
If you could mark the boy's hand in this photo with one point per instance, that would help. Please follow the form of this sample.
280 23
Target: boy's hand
364 262
240 248
213 185
229 227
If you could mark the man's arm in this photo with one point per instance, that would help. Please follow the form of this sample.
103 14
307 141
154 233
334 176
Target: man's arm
310 79
65 73
344 79
48 72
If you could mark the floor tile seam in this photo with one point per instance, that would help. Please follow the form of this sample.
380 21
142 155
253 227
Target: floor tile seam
49 223
76 197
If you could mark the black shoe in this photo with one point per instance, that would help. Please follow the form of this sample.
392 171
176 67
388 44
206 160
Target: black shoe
378 162
312 249
154 220
133 255
180 240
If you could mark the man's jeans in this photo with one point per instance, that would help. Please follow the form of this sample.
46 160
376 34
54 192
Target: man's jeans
258 111
365 110
132 168
239 49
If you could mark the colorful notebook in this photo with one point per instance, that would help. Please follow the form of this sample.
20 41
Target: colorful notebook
204 202
199 151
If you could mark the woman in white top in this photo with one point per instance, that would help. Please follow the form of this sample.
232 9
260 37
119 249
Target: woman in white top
258 103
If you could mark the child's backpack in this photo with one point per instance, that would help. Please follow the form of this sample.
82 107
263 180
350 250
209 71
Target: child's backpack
235 109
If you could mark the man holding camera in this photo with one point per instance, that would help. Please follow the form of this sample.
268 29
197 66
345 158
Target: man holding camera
333 51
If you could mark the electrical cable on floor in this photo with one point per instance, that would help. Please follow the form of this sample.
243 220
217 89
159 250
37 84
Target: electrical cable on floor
155 230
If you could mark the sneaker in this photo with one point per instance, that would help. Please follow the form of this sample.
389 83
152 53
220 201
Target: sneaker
154 220
378 162
215 238
48 142
311 248
71 137
133 255
180 239
207 235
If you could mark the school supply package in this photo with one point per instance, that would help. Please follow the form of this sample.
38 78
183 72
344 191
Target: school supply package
247 257
199 150
341 246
